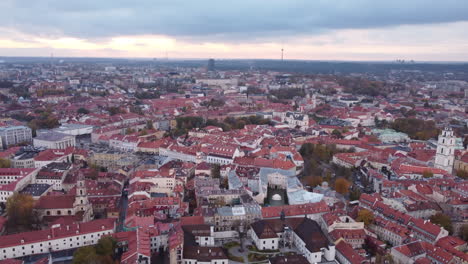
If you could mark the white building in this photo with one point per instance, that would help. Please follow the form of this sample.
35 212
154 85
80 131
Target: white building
74 129
13 180
15 134
445 155
54 140
58 238
301 232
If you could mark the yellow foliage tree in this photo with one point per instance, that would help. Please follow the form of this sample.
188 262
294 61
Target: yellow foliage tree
342 186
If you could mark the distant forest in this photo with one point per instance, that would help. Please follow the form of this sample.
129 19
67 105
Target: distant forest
296 66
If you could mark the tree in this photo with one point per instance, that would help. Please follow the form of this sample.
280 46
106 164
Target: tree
82 110
427 174
464 232
85 255
115 110
416 128
5 163
365 216
149 124
443 221
129 131
387 259
342 186
215 171
355 194
336 133
313 181
101 253
20 210
462 174
106 246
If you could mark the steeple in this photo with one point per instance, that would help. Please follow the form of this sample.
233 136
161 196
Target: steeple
445 154
81 197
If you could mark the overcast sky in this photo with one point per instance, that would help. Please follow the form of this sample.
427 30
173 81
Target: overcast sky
422 30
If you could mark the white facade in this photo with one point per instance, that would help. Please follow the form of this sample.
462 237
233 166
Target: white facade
14 135
445 155
264 243
55 243
55 143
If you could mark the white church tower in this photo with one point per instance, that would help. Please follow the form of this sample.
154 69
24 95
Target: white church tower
445 155
82 203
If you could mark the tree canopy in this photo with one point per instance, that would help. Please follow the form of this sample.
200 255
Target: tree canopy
20 210
416 128
5 163
443 221
342 185
365 216
101 253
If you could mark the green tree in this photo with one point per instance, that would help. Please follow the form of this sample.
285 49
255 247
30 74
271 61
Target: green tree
443 221
355 194
101 253
106 246
82 110
365 216
86 255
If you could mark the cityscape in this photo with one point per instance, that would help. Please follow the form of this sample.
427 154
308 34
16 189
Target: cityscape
203 154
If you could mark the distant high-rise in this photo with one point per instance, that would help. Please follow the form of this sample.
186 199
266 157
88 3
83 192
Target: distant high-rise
211 65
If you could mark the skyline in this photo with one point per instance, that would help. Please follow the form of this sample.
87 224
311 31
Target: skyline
331 30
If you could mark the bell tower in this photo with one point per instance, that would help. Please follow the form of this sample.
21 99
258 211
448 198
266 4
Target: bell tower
81 198
445 154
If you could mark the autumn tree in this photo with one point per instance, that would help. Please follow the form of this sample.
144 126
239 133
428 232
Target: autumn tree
313 181
336 133
427 174
20 210
5 163
342 186
443 221
462 174
365 216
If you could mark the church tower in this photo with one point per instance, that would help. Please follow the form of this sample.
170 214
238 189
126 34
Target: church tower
445 155
81 199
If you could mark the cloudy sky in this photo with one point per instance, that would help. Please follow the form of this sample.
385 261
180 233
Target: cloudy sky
422 30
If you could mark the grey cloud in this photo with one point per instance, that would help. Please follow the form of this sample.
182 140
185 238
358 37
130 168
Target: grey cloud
236 20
